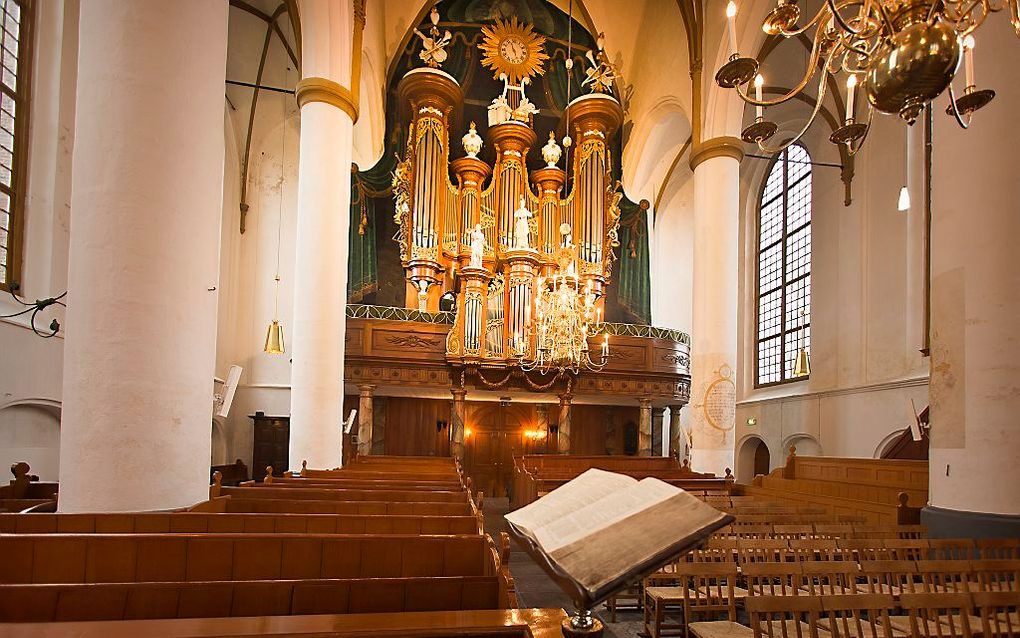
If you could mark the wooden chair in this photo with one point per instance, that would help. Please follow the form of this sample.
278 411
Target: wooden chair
706 589
889 577
767 550
905 548
946 576
951 549
784 617
1001 548
936 615
829 578
996 575
998 613
773 579
815 549
858 616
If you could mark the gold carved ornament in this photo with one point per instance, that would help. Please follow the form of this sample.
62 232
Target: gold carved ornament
513 49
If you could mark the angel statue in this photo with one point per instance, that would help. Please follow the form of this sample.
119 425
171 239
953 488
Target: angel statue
522 227
603 73
477 246
433 48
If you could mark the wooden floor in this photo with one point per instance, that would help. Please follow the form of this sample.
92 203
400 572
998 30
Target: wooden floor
536 589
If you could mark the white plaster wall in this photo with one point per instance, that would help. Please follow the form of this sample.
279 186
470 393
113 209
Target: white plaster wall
31 368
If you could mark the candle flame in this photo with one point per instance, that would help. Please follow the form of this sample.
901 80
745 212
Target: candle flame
968 42
759 81
851 81
731 9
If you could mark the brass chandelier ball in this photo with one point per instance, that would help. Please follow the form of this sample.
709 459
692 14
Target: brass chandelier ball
914 67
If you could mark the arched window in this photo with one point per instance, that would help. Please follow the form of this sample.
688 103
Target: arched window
15 27
784 267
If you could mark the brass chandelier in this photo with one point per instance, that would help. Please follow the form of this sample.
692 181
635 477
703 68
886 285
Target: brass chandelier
566 316
903 53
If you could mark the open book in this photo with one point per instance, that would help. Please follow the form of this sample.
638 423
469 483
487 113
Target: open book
602 530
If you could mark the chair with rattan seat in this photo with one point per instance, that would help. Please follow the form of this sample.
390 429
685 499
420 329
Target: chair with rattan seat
937 615
829 578
998 612
891 577
858 616
785 617
706 589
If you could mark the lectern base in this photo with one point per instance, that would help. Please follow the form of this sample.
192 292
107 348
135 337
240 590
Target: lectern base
593 630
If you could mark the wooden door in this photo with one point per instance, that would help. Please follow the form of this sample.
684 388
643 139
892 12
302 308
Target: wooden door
271 445
497 433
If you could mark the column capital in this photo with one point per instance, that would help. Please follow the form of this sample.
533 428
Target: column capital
723 146
366 389
458 394
322 90
645 403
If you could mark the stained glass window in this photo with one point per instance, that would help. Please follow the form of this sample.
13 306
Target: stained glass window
14 25
784 267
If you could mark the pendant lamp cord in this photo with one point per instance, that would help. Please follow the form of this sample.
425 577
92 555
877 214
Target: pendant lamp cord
279 218
569 64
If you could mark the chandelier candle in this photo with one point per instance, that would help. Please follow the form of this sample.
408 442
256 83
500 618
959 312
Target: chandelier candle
759 82
851 87
731 26
968 62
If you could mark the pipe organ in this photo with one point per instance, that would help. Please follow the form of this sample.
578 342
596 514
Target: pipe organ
492 231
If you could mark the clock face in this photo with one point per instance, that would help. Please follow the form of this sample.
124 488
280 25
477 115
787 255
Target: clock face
513 50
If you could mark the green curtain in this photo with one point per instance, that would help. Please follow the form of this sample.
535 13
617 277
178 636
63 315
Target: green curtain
635 286
362 262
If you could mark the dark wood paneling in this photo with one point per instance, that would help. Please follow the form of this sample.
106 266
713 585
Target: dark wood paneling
271 445
411 427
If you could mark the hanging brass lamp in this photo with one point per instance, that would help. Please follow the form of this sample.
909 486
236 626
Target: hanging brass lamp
274 338
802 366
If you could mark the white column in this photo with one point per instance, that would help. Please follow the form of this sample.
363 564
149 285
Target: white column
328 112
147 200
716 166
975 283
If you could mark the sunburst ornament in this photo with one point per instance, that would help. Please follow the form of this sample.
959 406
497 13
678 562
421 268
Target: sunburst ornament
513 49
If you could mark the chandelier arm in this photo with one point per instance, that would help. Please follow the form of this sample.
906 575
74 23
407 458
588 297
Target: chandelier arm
956 111
810 72
814 114
867 129
834 9
958 14
803 29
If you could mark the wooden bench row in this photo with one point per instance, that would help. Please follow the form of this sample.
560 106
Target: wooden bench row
778 550
133 601
131 558
501 623
325 494
244 504
201 522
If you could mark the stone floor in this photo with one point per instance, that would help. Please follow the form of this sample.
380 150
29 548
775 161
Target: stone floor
536 589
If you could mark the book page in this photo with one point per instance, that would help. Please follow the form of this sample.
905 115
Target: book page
596 516
588 488
627 547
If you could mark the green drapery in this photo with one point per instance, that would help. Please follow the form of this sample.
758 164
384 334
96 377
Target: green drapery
635 287
362 262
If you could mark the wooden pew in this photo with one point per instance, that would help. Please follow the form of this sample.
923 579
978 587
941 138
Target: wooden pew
203 522
878 490
231 474
242 504
502 623
212 599
325 494
536 474
25 491
133 558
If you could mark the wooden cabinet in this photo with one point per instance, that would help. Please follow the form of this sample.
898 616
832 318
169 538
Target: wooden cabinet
271 445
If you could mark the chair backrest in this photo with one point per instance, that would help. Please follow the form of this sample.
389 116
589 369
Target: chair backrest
768 550
890 576
997 575
1002 548
938 615
708 589
773 579
769 616
950 576
858 615
999 613
905 548
829 578
951 548
812 549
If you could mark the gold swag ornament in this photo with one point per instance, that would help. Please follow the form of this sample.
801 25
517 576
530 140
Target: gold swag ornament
513 49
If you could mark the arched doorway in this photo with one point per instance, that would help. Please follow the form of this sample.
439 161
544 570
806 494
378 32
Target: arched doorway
494 434
753 459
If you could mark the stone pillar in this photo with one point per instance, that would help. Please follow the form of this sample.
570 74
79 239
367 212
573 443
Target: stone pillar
677 441
716 166
328 112
366 418
563 428
975 302
645 428
141 319
657 415
457 418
